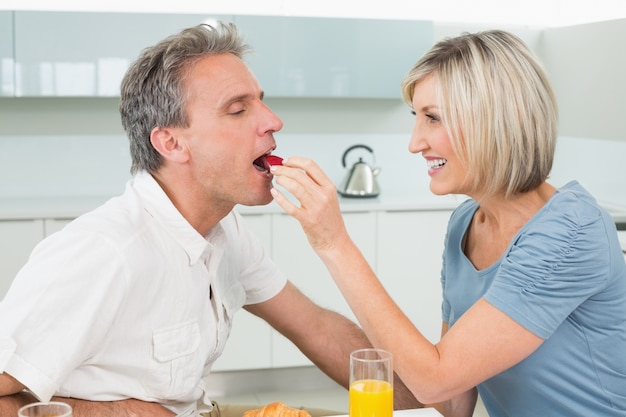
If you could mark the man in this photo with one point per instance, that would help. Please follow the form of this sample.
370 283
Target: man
123 312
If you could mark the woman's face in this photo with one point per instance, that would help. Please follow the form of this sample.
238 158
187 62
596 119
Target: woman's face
430 138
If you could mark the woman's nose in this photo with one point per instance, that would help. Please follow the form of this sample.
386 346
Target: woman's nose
417 143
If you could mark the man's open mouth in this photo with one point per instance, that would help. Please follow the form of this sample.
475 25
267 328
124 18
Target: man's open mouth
264 162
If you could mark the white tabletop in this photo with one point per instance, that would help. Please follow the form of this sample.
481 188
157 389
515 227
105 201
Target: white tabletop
418 412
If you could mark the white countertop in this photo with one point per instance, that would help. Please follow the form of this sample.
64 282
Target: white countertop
62 207
68 207
418 412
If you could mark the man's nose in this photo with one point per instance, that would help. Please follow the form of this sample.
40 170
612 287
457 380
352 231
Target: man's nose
272 123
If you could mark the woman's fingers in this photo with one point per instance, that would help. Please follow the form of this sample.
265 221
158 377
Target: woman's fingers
318 212
310 168
306 181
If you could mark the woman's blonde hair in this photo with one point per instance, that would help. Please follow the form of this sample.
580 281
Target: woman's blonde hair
498 108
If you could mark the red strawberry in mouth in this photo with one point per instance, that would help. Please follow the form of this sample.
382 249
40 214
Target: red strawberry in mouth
274 160
264 162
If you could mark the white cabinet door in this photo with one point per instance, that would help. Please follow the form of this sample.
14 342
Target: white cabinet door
409 264
87 54
249 344
17 240
7 81
54 225
302 266
83 53
322 57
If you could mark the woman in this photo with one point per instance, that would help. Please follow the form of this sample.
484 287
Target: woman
534 282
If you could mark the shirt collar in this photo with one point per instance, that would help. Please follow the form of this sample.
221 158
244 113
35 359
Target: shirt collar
158 205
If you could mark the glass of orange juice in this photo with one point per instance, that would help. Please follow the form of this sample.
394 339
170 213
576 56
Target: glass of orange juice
371 383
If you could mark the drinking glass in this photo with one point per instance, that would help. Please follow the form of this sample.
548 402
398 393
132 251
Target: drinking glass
371 383
49 409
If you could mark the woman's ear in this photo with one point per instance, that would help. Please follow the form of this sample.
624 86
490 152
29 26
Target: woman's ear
168 145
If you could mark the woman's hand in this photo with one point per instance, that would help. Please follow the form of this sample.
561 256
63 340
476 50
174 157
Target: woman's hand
318 212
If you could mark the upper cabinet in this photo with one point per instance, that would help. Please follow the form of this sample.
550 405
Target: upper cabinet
7 79
86 54
326 57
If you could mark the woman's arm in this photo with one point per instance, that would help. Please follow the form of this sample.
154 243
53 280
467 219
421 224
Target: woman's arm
462 405
481 344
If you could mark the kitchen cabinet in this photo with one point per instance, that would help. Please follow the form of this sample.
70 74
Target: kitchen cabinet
332 57
409 264
83 53
7 79
54 225
73 54
403 247
293 254
287 244
17 240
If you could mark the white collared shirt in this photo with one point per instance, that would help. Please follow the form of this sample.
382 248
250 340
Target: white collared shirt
129 301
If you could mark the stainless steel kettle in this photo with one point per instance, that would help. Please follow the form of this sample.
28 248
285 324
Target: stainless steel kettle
360 181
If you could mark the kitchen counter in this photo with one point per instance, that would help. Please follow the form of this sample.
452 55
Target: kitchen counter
419 412
390 200
63 207
68 207
617 212
621 235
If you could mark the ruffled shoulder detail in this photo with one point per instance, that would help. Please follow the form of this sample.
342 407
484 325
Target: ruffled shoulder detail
570 221
563 249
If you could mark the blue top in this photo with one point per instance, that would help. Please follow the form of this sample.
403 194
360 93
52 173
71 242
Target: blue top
563 277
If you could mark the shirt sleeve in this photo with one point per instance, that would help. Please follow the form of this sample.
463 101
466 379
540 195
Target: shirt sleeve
63 299
552 267
259 275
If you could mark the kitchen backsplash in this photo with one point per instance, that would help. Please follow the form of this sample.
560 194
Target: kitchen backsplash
98 165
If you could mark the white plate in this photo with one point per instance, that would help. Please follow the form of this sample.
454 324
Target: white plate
418 412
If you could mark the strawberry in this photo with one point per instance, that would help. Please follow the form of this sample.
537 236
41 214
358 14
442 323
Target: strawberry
274 160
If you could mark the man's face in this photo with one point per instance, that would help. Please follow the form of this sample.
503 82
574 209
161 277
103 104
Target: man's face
229 129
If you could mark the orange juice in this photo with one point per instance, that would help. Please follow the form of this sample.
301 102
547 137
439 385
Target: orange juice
371 398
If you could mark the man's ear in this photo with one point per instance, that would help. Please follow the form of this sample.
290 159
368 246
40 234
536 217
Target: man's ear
168 145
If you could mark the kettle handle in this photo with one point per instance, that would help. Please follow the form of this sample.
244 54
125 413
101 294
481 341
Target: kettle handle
343 158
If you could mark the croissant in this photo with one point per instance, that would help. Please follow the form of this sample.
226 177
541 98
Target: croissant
276 409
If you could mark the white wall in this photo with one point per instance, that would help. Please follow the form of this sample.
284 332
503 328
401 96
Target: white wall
598 164
587 65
